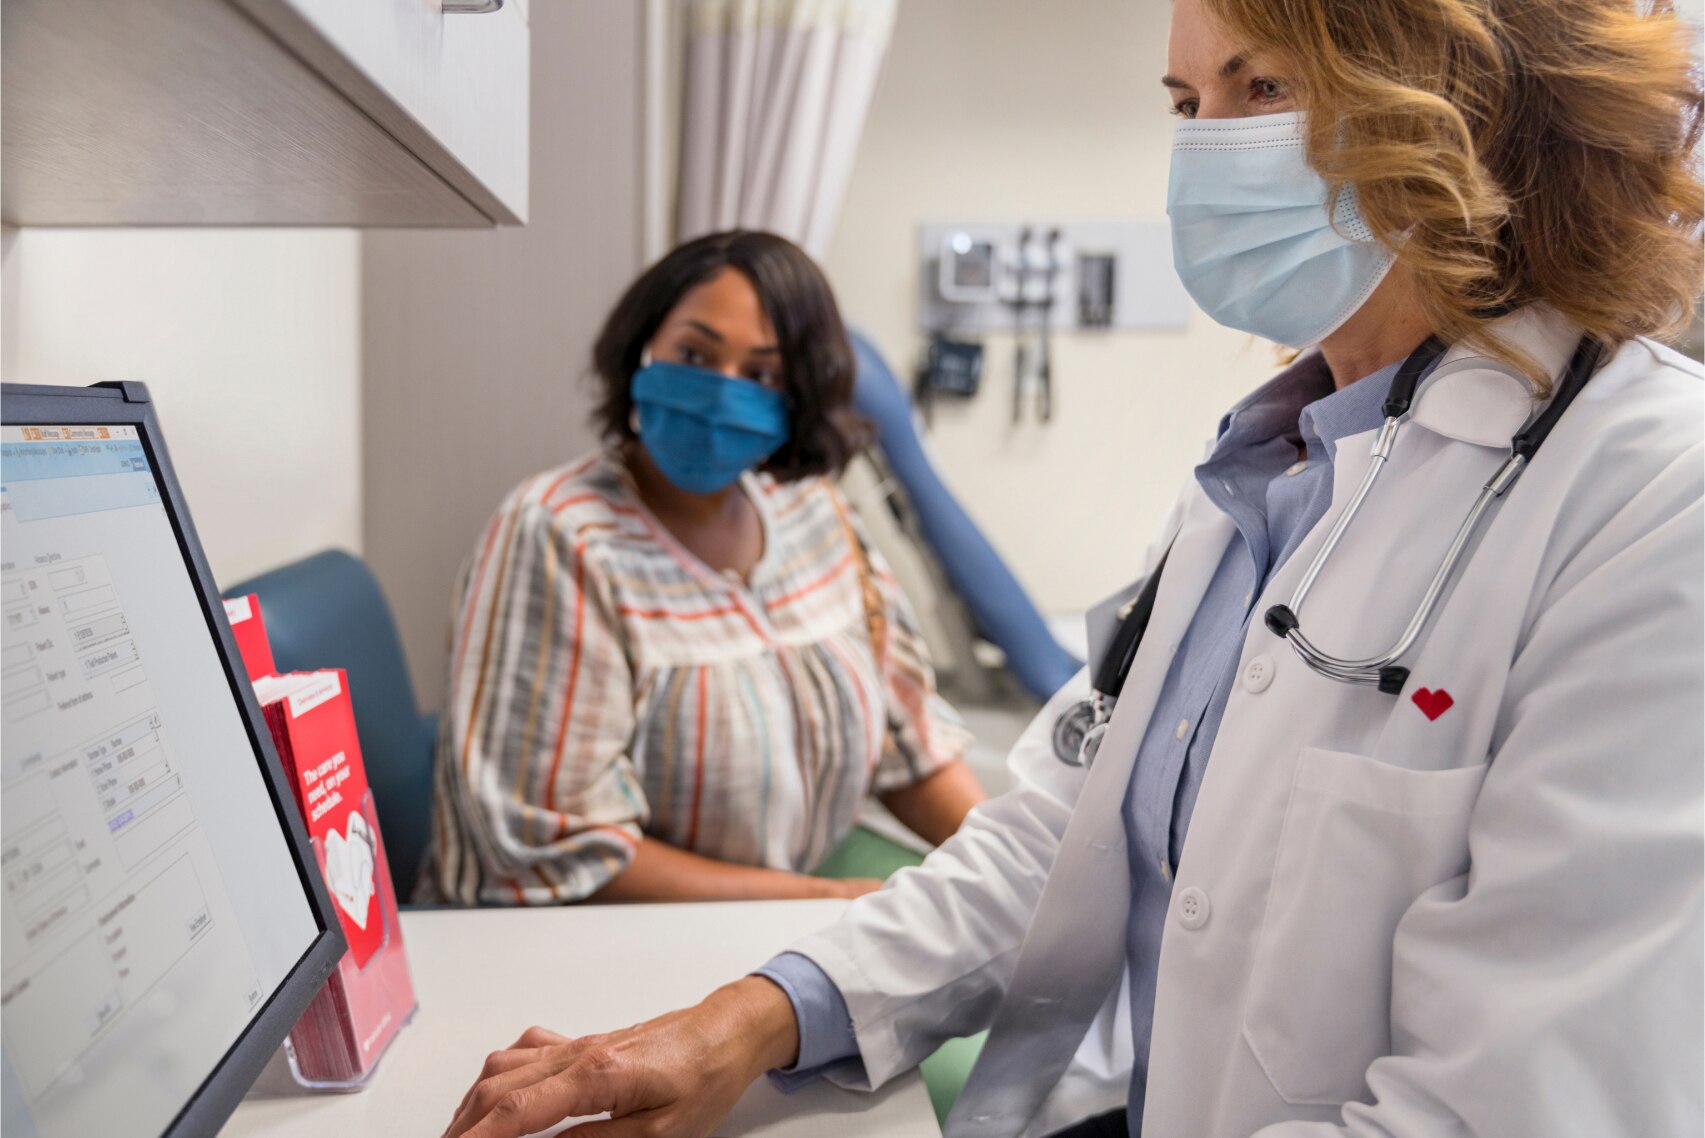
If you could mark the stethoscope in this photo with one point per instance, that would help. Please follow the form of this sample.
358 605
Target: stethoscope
1078 732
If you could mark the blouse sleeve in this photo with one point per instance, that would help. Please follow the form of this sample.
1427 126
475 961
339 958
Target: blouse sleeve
538 801
923 732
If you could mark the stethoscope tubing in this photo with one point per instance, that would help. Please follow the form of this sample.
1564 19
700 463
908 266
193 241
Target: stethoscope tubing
1381 451
1283 619
1381 671
1367 670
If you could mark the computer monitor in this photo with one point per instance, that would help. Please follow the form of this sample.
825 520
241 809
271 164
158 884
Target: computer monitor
165 922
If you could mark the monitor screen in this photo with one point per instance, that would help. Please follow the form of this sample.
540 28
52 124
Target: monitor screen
152 900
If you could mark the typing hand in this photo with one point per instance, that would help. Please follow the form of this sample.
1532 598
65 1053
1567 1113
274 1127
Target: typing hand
676 1075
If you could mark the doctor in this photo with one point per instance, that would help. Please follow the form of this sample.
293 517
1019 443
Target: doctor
1375 866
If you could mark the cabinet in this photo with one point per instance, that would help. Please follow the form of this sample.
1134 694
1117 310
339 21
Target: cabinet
263 112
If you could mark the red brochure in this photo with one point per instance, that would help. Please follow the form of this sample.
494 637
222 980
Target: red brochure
252 644
346 1029
313 726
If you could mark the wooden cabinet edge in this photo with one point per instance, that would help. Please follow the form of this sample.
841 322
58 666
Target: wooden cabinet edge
285 23
154 159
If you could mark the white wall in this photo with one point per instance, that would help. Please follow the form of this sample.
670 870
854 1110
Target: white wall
476 345
1011 110
249 341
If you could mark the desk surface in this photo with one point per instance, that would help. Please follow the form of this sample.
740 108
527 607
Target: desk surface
483 976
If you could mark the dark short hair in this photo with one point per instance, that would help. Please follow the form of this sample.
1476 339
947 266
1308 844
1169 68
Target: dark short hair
817 358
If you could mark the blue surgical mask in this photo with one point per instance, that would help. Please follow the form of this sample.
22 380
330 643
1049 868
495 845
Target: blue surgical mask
1253 239
704 429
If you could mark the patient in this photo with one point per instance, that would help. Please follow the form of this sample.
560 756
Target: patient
678 668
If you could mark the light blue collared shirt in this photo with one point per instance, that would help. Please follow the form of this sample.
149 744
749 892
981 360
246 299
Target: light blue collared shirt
1255 477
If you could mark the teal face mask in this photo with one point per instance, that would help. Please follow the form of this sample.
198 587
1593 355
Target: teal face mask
704 429
1253 239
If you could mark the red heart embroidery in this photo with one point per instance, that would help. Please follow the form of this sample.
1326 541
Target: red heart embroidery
1432 703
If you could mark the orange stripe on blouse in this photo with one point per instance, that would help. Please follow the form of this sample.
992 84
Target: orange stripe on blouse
807 590
574 471
784 509
485 647
670 614
694 566
581 531
613 507
757 629
474 591
875 729
627 838
547 882
573 673
523 774
574 500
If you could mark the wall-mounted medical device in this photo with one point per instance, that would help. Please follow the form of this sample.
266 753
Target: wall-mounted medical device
1088 274
1035 281
1097 288
951 367
966 268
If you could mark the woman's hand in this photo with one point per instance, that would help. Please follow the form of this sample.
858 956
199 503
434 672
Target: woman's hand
676 1075
849 887
662 872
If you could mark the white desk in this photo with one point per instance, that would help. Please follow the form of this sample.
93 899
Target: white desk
483 976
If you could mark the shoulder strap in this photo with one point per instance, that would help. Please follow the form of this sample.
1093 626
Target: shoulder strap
875 611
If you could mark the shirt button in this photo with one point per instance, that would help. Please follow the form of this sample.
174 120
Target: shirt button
1183 728
1258 674
1296 468
1247 597
1193 908
1165 870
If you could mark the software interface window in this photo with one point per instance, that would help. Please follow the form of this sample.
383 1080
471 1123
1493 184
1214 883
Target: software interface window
150 900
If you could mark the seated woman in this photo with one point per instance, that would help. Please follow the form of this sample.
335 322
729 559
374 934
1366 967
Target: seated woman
678 667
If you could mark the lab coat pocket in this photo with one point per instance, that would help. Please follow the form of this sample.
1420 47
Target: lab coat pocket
1362 839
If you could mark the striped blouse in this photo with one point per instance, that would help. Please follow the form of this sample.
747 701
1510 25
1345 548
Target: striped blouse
606 683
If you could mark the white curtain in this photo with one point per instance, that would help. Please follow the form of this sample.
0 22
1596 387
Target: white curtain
776 93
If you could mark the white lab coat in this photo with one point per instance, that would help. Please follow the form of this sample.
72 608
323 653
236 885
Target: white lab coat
1482 921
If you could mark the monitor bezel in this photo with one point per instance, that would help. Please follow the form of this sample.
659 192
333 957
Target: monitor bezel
128 404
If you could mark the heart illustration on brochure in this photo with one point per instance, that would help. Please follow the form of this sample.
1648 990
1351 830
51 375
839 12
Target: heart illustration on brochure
349 868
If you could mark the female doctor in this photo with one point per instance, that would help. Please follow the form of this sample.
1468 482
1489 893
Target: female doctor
1397 821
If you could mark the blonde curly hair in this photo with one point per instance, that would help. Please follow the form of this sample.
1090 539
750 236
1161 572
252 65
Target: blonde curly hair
1513 151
